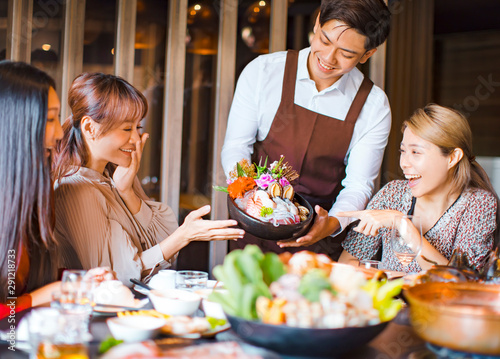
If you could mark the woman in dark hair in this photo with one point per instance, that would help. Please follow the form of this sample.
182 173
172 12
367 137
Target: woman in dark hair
29 129
103 215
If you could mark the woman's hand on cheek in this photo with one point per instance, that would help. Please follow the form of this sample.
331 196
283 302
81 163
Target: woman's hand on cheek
124 176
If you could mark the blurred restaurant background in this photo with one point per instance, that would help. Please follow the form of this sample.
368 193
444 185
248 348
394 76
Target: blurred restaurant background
186 56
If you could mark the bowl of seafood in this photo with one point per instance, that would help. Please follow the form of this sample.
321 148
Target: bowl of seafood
263 200
289 225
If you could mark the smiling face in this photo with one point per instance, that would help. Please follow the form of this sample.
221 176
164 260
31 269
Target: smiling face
335 50
53 129
429 171
115 146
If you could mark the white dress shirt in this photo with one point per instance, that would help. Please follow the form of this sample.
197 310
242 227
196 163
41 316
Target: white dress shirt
256 101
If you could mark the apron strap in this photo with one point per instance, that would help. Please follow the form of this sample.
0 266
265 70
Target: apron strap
359 100
288 92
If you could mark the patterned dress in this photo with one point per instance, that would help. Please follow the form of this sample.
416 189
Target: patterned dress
468 224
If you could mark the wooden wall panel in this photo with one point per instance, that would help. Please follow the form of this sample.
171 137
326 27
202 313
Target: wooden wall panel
467 77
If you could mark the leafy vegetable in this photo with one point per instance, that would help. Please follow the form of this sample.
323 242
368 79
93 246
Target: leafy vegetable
108 343
246 275
313 283
220 188
239 170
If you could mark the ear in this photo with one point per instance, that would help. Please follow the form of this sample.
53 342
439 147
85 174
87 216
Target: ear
367 55
88 127
455 157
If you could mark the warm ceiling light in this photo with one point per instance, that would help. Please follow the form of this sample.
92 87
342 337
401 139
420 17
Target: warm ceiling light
256 9
113 51
46 47
262 3
197 7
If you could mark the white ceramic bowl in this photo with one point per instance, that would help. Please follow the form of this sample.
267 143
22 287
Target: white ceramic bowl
164 279
135 328
211 309
175 301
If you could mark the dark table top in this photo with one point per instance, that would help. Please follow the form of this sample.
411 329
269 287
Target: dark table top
397 341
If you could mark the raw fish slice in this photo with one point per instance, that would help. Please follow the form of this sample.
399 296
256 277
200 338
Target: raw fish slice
254 207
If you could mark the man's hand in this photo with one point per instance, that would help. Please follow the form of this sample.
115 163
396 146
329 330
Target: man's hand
322 227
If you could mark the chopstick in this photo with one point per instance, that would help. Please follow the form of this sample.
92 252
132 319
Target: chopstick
140 284
111 306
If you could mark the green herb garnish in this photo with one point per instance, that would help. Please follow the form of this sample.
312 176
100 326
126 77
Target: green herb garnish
266 211
108 343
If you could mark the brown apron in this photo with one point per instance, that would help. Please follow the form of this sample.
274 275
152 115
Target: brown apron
314 145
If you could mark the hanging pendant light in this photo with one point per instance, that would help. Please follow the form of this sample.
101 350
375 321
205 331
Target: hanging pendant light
202 29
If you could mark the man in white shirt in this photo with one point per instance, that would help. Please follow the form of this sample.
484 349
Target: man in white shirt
317 109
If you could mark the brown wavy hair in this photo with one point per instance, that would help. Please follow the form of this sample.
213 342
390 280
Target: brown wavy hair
109 100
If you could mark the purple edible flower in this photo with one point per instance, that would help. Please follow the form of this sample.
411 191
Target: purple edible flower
264 181
284 182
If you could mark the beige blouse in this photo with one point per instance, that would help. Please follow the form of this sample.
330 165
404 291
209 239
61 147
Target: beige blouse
95 228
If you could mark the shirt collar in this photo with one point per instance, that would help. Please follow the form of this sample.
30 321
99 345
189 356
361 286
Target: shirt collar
303 73
94 175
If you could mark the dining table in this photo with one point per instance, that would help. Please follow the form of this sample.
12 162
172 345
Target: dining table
397 341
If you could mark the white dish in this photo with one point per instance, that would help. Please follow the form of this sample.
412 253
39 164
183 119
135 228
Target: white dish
135 328
213 283
175 301
138 304
140 289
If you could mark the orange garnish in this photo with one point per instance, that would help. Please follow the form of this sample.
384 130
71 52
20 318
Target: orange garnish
240 186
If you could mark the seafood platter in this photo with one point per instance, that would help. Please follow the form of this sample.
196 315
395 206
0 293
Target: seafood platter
263 201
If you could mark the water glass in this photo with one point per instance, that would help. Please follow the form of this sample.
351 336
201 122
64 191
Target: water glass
76 298
369 263
49 336
191 280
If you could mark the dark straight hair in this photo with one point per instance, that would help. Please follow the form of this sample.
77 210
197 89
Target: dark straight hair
370 18
26 208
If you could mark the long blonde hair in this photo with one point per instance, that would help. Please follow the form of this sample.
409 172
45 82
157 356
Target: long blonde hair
448 129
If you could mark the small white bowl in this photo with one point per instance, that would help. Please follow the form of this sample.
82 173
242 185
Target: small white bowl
211 309
164 279
175 301
135 328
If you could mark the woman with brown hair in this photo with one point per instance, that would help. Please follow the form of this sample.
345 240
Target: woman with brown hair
444 186
103 217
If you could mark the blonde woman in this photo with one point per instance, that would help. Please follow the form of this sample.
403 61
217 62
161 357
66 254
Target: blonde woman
444 186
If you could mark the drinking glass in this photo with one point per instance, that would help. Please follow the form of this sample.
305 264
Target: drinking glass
49 336
191 280
369 263
76 299
406 239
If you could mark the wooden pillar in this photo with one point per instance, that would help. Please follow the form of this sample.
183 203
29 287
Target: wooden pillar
72 51
225 79
279 14
125 39
409 70
19 27
173 108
